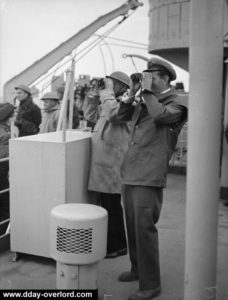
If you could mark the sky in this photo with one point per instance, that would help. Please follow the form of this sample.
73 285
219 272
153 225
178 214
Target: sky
29 29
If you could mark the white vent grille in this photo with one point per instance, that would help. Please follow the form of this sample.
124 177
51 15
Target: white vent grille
77 241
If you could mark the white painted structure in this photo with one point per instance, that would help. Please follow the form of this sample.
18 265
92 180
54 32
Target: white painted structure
45 172
169 30
224 166
204 128
78 241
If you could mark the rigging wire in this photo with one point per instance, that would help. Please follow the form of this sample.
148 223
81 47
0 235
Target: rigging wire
111 55
101 38
128 46
133 62
110 52
91 45
123 40
103 59
94 43
73 54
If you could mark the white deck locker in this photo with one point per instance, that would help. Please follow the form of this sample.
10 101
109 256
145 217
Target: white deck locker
45 172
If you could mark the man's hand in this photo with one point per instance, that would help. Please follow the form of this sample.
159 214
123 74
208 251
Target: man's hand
134 88
109 84
93 91
126 98
94 88
147 81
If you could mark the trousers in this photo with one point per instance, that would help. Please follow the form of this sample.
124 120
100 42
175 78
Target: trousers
142 206
116 239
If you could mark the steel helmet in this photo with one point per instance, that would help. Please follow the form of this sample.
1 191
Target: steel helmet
121 76
50 95
24 88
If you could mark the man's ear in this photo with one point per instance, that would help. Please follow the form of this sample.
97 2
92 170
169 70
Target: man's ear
166 78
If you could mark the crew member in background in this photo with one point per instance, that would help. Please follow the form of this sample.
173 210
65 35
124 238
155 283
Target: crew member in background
226 136
226 133
60 92
91 89
156 121
6 112
28 117
76 117
109 143
80 93
51 111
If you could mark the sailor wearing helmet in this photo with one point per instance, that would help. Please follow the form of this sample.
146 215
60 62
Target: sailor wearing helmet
109 144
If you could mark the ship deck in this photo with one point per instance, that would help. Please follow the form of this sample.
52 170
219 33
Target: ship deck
33 272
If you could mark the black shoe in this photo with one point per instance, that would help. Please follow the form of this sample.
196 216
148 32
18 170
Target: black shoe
145 294
225 203
128 276
116 253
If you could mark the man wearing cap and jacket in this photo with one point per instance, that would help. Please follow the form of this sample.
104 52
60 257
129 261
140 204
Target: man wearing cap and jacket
109 144
51 111
6 112
28 117
155 124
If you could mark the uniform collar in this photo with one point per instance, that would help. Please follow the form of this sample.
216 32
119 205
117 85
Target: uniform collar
166 91
163 96
54 107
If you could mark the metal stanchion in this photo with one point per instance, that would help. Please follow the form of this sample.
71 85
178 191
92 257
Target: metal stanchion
71 92
62 116
204 128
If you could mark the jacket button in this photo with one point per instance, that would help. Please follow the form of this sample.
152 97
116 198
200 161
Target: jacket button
136 126
132 143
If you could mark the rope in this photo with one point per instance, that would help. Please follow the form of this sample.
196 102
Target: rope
134 64
91 45
95 44
103 59
99 40
110 52
127 41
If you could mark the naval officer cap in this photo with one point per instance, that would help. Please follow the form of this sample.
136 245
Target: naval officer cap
158 64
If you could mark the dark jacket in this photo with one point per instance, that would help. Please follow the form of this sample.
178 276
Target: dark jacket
6 111
76 119
4 170
28 118
226 132
155 126
4 166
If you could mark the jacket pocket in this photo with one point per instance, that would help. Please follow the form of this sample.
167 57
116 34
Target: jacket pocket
105 154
